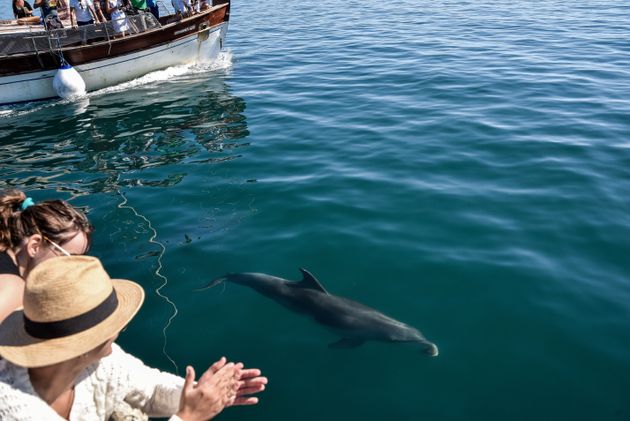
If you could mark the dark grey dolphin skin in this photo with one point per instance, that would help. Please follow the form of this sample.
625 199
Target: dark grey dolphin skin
355 322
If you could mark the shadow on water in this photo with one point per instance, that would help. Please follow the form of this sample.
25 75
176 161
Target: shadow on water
86 146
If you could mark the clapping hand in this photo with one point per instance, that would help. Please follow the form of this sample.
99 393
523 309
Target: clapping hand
250 382
223 384
215 389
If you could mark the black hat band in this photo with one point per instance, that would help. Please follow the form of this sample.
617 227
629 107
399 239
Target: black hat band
76 324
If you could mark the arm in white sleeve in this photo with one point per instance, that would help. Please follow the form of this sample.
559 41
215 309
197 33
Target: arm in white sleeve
155 392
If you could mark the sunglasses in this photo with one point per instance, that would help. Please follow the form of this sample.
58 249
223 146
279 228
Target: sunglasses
57 246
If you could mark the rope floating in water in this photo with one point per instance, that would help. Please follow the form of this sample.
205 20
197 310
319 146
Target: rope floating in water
157 272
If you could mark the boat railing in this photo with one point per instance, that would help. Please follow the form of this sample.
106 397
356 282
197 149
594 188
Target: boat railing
39 41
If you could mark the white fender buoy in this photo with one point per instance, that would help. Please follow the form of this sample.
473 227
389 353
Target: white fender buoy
68 83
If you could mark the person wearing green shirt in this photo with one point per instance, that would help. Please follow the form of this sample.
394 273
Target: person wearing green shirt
139 4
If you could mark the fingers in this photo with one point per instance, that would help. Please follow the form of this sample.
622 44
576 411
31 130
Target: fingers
217 365
213 369
249 387
241 401
225 379
255 382
250 390
249 373
190 378
232 382
238 370
228 370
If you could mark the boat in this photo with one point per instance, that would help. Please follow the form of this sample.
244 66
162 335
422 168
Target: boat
31 55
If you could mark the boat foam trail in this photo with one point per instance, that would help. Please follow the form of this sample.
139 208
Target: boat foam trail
223 61
24 109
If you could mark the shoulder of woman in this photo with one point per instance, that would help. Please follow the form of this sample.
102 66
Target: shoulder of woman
16 403
11 295
8 267
9 280
118 362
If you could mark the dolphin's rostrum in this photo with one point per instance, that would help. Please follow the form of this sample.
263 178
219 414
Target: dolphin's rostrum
355 322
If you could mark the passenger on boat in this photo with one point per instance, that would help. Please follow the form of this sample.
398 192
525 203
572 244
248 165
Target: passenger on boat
153 7
99 7
63 9
84 12
31 233
50 15
183 8
22 9
59 355
140 5
118 16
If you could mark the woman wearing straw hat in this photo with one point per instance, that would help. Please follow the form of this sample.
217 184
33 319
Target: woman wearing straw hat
31 233
60 362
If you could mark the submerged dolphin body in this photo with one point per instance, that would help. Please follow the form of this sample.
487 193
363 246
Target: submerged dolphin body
355 322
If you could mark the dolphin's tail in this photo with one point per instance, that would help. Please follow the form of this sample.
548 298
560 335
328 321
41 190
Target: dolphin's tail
430 349
212 283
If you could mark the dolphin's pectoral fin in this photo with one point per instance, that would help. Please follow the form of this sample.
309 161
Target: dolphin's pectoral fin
346 343
212 283
309 281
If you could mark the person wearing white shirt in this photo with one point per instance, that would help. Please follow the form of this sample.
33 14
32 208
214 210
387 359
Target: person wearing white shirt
118 16
82 12
59 361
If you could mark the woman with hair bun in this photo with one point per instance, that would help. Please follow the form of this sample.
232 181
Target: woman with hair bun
31 233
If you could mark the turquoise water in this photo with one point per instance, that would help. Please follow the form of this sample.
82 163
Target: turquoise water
461 166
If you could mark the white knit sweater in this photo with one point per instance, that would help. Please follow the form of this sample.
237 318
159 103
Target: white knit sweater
115 384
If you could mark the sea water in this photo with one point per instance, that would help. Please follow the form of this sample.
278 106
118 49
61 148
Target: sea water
462 166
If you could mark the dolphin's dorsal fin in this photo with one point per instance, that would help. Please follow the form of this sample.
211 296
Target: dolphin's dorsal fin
309 281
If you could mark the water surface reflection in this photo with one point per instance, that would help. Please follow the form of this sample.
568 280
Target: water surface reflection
87 146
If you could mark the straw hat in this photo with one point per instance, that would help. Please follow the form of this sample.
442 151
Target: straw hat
71 306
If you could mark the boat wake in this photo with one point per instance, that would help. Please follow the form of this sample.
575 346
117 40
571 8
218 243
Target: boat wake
78 105
18 110
222 62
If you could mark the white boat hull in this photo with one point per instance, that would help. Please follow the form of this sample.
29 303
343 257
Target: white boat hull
112 71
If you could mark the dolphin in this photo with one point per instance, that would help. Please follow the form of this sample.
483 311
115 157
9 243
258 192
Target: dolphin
355 322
